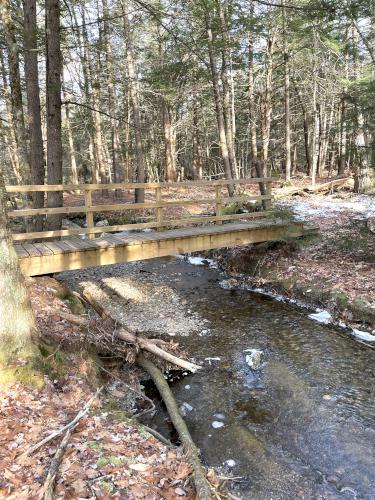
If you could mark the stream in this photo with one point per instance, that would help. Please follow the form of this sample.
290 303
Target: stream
299 426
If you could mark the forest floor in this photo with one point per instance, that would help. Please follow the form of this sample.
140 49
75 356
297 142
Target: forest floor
109 455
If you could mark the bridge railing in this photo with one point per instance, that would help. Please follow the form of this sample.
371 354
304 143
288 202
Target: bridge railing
158 205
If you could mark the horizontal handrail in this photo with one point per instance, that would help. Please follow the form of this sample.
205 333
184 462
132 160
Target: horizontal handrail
158 205
31 188
29 212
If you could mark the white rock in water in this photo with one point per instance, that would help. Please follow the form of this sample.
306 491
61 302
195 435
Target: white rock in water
216 425
364 335
187 387
254 358
321 316
220 416
230 463
102 223
185 408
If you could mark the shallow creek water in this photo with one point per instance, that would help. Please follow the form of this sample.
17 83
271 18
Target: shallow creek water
302 425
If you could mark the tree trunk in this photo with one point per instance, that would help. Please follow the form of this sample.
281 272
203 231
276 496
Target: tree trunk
286 98
11 136
169 144
219 109
72 149
37 168
15 88
227 113
53 106
139 193
17 323
252 114
117 166
267 101
197 146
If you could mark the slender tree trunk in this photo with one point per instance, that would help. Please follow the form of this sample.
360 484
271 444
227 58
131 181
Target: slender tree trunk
252 113
139 193
15 88
53 106
11 136
286 98
227 113
117 166
37 168
72 149
169 144
219 109
267 101
316 124
197 146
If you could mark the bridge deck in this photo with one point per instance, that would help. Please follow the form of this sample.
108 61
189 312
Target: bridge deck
76 253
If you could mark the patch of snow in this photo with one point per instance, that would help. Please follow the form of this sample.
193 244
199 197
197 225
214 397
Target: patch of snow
321 316
147 230
362 205
230 463
187 387
216 424
198 261
253 359
364 335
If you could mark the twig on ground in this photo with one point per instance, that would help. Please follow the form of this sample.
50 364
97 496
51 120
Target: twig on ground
49 484
71 424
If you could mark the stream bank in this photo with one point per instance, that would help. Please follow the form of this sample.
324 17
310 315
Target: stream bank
300 425
333 270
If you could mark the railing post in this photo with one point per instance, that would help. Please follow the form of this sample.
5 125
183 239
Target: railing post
159 210
218 202
268 193
89 215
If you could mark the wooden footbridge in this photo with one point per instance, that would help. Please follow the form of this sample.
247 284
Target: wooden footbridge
77 248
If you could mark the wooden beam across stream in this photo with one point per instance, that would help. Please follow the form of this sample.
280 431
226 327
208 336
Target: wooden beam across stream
74 253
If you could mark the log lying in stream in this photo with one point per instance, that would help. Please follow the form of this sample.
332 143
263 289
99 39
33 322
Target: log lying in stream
192 453
144 343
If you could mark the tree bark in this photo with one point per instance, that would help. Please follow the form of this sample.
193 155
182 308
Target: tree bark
252 114
11 135
18 330
286 97
219 109
267 101
132 77
169 144
37 167
53 106
15 88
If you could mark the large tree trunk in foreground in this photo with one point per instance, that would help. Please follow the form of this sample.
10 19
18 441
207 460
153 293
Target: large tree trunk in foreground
33 106
17 322
53 84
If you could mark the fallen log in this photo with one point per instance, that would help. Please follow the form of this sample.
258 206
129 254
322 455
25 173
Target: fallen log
328 185
202 485
142 342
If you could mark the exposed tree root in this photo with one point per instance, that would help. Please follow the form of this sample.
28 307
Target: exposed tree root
202 486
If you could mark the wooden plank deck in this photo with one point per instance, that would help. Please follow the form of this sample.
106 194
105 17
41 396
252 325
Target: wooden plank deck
75 253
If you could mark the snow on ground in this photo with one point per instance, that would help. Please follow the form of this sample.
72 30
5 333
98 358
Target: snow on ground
362 205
